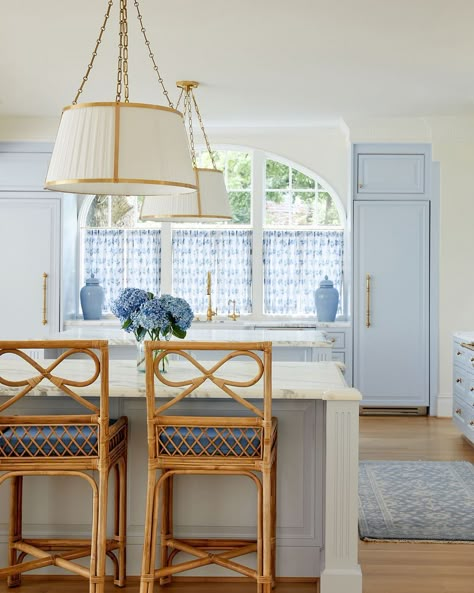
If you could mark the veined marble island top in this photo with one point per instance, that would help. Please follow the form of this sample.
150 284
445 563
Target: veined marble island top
290 380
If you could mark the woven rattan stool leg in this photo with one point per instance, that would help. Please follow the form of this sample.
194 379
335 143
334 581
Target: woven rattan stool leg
259 537
148 559
16 519
101 533
95 522
267 531
120 519
166 525
273 516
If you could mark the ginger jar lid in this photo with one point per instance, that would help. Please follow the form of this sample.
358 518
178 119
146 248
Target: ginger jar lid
326 283
92 280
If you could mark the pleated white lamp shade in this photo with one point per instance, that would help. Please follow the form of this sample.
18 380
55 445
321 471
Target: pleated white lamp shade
209 203
121 149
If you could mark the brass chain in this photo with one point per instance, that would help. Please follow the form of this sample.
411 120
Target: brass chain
124 28
152 57
188 110
179 98
85 78
203 130
122 67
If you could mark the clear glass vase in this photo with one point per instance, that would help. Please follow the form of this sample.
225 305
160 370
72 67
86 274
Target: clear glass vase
164 363
141 356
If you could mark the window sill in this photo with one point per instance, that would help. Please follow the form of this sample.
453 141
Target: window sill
225 322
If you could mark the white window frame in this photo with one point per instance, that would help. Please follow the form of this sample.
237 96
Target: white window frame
258 193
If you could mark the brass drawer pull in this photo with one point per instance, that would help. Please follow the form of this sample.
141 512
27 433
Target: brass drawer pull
459 412
367 291
458 353
458 380
471 423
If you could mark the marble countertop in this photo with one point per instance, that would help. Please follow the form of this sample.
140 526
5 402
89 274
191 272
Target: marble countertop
290 380
224 322
279 337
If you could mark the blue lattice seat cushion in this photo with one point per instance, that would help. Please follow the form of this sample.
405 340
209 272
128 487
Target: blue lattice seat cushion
49 440
204 441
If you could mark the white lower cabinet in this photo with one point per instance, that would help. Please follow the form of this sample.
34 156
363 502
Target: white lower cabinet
463 386
29 265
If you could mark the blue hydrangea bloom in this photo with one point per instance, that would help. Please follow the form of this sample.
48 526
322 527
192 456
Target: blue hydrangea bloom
128 302
141 313
152 316
178 310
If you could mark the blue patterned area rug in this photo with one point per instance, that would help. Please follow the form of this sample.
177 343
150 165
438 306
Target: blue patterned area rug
427 501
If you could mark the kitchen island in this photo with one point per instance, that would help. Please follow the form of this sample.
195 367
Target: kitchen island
317 474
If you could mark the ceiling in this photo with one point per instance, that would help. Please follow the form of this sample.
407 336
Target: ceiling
260 62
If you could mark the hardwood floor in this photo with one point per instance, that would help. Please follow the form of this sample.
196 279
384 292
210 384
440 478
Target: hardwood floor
386 568
73 585
410 567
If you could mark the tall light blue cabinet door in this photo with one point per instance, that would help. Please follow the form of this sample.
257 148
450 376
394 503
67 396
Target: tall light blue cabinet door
391 302
29 266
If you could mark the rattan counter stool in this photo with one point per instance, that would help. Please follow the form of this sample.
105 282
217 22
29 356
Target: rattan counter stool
237 445
63 444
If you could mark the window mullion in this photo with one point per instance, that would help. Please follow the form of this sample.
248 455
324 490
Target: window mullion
166 273
258 203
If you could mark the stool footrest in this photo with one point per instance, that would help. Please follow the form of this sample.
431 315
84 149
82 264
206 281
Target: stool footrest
218 543
205 558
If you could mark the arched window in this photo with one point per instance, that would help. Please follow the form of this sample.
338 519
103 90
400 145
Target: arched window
287 233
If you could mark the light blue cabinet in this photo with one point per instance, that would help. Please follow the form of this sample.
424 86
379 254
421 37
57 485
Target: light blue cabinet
390 174
29 266
392 268
463 383
391 284
30 243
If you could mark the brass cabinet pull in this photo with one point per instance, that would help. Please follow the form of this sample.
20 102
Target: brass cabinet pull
367 291
471 423
45 320
458 380
458 412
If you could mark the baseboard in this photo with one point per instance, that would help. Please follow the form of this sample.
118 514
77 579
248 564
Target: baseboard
444 408
310 580
136 579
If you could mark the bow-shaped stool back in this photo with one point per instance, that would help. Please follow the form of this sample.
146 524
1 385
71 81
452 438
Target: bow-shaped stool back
242 444
62 444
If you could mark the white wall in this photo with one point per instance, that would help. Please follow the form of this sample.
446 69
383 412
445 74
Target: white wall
28 129
323 150
453 147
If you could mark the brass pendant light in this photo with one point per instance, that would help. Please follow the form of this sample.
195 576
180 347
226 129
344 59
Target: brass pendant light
210 201
119 147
